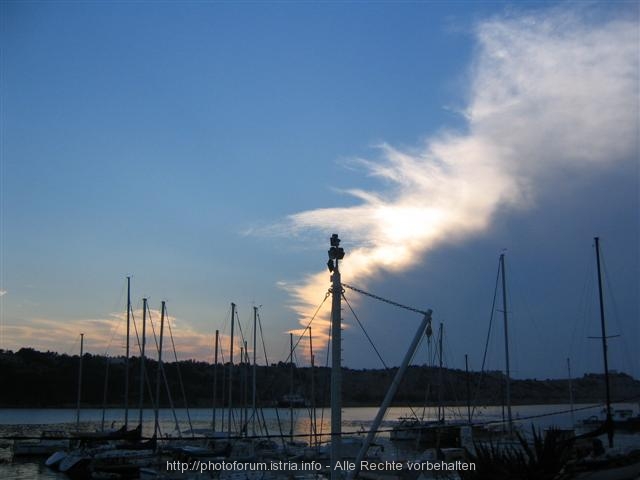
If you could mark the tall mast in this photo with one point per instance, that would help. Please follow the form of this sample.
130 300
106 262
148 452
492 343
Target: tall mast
440 382
80 379
466 369
609 420
104 393
126 363
313 437
245 388
230 406
254 372
506 344
215 381
242 389
335 254
158 377
142 345
570 391
291 387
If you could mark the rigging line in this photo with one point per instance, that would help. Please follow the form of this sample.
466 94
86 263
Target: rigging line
413 412
147 379
116 326
154 401
576 349
289 356
264 347
153 329
326 295
513 325
374 347
134 319
324 379
517 293
366 334
302 335
114 332
449 378
166 384
72 346
170 398
223 324
221 334
135 329
242 339
385 300
175 354
616 315
486 345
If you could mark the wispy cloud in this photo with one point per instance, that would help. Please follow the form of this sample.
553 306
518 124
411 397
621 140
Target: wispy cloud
108 336
551 94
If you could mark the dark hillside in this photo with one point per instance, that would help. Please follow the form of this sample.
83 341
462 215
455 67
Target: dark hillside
45 379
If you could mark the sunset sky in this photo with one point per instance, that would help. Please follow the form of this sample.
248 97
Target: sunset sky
209 150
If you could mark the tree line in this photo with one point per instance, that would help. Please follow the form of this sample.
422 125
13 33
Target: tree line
31 378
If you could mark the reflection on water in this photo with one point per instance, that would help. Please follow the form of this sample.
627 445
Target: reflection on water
29 469
274 422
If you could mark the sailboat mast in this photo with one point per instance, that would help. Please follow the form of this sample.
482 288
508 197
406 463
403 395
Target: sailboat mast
440 406
245 388
335 255
105 391
80 379
142 345
466 369
126 362
230 406
609 420
158 376
312 432
291 387
242 389
254 372
506 344
570 391
215 381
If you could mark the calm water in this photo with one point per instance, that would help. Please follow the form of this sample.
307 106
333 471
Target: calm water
33 421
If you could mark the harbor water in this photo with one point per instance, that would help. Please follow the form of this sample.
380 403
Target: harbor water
274 423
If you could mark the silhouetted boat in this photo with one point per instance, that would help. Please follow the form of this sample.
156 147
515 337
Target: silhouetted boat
49 442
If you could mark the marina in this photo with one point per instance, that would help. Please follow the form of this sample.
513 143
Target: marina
257 441
17 422
319 240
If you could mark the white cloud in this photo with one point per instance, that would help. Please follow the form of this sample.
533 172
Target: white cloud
551 95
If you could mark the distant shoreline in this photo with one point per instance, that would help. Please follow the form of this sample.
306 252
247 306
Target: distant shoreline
33 379
577 406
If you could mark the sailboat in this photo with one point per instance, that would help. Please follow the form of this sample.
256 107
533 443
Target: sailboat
452 434
421 433
86 445
52 443
612 463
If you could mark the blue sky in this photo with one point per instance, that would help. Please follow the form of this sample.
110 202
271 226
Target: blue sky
177 142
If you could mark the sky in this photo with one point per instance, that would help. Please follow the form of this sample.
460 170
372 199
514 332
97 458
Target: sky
208 150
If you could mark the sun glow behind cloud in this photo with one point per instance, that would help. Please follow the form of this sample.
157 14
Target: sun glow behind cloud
108 336
551 95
